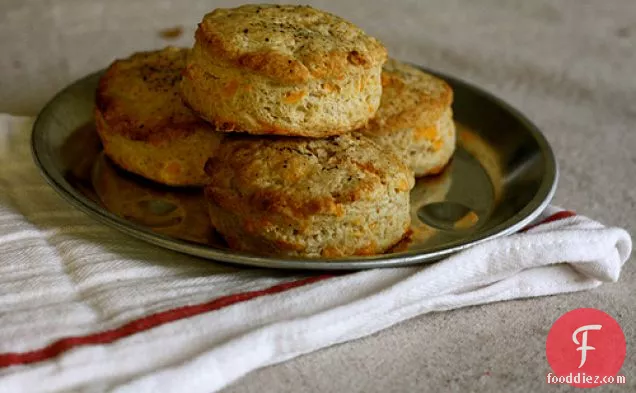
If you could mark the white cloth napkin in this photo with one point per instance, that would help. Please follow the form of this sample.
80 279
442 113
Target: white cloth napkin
83 307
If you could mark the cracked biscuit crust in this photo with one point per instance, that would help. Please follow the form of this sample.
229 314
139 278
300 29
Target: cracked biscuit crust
143 124
415 118
283 70
300 197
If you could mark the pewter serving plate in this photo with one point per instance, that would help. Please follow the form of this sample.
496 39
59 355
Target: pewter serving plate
501 177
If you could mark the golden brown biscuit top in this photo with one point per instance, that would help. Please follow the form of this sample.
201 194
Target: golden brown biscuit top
299 177
139 96
410 98
288 43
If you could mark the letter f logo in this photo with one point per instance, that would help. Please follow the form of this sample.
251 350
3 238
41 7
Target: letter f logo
584 347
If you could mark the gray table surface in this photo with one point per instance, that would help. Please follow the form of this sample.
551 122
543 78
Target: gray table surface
569 65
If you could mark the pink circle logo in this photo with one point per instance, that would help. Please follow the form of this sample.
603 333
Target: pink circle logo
585 348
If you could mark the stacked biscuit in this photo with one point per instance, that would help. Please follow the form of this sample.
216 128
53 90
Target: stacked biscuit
305 138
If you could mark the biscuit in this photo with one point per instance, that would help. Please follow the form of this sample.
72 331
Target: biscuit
328 198
415 118
143 124
283 70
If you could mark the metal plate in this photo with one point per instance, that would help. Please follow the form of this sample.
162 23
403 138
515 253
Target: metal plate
502 176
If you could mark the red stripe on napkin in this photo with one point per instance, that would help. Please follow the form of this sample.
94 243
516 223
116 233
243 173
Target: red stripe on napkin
145 323
555 217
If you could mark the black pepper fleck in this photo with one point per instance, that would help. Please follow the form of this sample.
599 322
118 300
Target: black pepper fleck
245 31
267 39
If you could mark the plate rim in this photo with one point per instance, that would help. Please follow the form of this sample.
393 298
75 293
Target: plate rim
516 222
